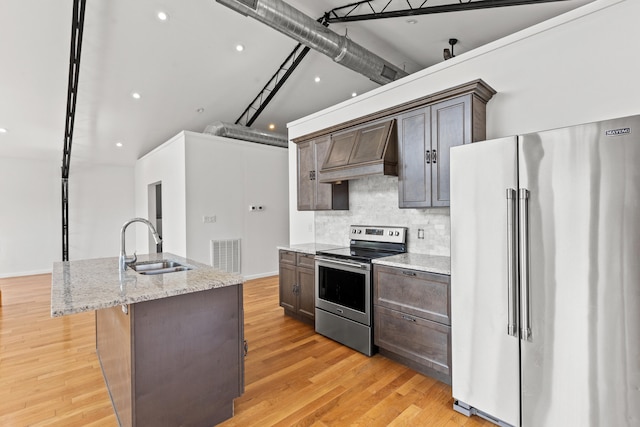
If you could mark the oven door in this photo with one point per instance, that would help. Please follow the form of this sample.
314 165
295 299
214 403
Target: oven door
344 288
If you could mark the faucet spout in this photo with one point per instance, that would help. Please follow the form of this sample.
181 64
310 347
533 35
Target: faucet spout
125 260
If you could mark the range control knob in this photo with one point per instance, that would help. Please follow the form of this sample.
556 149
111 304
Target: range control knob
353 231
359 231
397 233
391 233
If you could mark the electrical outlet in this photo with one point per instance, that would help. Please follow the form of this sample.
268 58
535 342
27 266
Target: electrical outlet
209 219
420 233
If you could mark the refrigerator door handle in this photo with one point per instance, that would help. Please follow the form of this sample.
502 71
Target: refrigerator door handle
525 330
512 265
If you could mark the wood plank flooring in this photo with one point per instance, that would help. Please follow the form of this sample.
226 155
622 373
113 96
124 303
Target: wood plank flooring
50 376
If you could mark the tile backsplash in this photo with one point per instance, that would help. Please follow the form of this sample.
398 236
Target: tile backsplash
374 201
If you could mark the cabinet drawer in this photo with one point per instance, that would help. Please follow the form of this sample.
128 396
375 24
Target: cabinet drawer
305 260
287 257
425 342
417 293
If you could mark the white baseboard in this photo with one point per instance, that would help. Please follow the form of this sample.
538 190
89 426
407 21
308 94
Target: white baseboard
260 275
25 273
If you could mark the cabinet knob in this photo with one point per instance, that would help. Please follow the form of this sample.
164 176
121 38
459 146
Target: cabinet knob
409 273
427 156
408 318
433 156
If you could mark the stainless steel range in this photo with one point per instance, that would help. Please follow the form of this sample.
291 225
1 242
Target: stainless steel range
344 310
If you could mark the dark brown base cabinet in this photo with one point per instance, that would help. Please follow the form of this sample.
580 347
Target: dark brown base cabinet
412 319
297 285
174 361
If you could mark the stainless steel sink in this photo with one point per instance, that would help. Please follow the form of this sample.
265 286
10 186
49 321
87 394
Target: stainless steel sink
158 267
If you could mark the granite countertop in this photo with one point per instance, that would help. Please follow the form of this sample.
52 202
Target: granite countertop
429 263
93 284
309 248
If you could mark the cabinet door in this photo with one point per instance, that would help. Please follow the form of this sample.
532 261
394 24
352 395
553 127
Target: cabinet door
451 125
412 292
341 145
287 281
306 292
422 341
323 191
414 173
370 143
306 168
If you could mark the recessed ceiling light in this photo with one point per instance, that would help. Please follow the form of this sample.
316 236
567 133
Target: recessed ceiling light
353 94
135 95
412 21
317 79
162 16
3 130
239 47
118 144
272 126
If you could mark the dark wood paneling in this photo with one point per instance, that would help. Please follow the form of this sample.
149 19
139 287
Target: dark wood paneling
306 293
340 149
305 260
417 293
425 342
414 175
187 358
288 279
451 125
287 257
312 194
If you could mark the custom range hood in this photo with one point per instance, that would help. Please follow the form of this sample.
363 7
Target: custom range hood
366 151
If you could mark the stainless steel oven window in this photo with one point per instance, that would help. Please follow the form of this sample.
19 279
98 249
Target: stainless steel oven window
344 289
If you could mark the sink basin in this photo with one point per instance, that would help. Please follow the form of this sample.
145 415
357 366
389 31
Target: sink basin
158 267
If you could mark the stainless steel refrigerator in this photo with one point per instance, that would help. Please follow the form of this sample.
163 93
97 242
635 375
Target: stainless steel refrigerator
545 277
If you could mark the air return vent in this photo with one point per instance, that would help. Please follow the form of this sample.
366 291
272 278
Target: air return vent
225 255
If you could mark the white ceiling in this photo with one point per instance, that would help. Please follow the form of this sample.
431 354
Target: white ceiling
189 62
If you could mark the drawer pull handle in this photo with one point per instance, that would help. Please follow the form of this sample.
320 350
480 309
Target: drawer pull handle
409 273
410 319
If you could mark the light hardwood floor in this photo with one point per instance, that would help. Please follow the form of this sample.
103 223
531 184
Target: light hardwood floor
50 376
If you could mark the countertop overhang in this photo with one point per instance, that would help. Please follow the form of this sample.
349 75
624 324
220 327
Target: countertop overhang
94 284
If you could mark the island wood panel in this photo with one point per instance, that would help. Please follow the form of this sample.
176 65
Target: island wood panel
174 361
50 375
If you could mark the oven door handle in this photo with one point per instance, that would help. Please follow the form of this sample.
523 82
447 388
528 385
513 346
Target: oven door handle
345 263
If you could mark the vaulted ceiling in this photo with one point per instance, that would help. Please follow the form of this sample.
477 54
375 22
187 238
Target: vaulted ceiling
188 72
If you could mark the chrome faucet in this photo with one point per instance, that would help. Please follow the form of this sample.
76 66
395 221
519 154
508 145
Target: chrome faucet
124 259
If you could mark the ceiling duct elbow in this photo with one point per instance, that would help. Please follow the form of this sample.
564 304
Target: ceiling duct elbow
306 30
230 130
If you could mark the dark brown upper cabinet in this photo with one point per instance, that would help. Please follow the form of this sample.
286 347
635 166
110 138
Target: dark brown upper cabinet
312 194
410 140
425 136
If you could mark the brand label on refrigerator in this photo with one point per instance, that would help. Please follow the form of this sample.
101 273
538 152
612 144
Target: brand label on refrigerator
616 132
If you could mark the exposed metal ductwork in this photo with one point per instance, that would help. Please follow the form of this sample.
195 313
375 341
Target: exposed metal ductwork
306 30
230 130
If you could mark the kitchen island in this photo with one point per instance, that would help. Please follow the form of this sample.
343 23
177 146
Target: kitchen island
170 345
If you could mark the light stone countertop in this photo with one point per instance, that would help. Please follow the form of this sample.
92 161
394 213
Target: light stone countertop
309 248
93 284
429 263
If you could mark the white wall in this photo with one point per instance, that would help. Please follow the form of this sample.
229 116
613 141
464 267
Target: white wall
100 200
205 175
224 177
165 164
576 68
